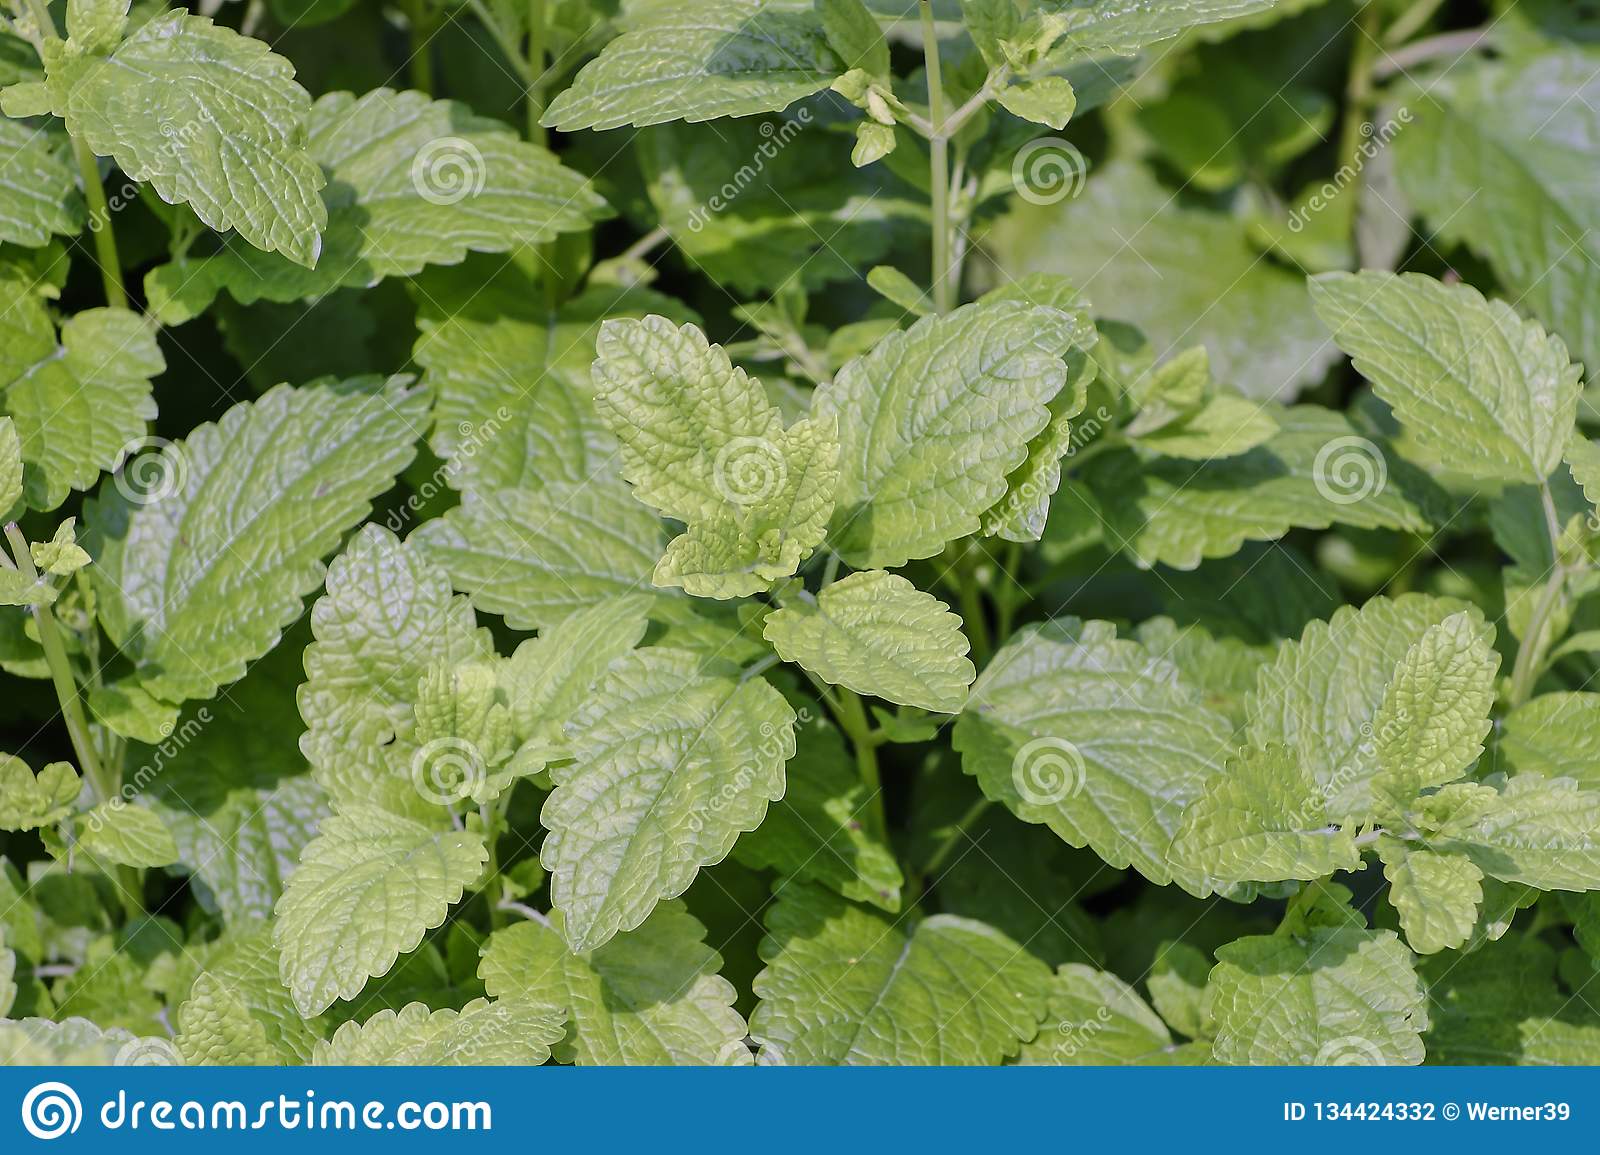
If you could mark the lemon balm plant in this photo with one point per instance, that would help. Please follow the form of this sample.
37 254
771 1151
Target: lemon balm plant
786 532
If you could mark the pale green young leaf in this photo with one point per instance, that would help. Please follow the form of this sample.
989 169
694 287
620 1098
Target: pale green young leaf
38 191
819 830
1049 100
1021 515
843 984
28 801
1479 390
18 589
1128 27
77 405
649 997
990 23
387 616
369 886
1536 831
896 287
1436 895
1094 1019
1315 471
1178 988
1583 458
549 677
208 117
537 555
874 141
1556 735
1330 997
1222 668
877 634
10 465
1226 425
125 835
699 60
412 182
74 1042
61 556
200 573
480 1034
1095 737
1434 717
238 1012
1263 819
1323 694
933 421
670 765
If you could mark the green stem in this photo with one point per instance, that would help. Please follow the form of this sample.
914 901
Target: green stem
938 165
538 38
1410 21
508 47
1006 592
1358 88
977 624
942 852
852 717
420 65
1534 645
491 837
66 686
1433 48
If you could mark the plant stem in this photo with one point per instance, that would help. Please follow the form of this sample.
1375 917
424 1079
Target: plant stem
938 165
1433 48
55 656
491 837
420 65
508 47
1531 651
538 37
977 624
936 860
853 720
1411 21
1358 89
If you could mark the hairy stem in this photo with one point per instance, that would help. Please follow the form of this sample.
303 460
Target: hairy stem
538 38
938 165
66 686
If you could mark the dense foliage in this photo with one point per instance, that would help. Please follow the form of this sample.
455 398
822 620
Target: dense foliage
761 531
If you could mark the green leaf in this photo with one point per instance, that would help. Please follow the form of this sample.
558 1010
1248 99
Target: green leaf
852 32
79 405
538 555
899 289
1496 158
670 766
1263 819
1331 997
123 835
238 1013
1096 738
1021 515
10 464
877 634
387 616
61 555
1316 471
369 885
1094 1019
1556 735
1048 100
77 1042
208 117
1502 1005
1183 275
1128 27
1226 425
481 1034
700 60
934 419
200 572
1537 831
842 982
412 182
1480 390
28 801
1436 895
1323 695
818 831
649 997
1430 727
38 187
